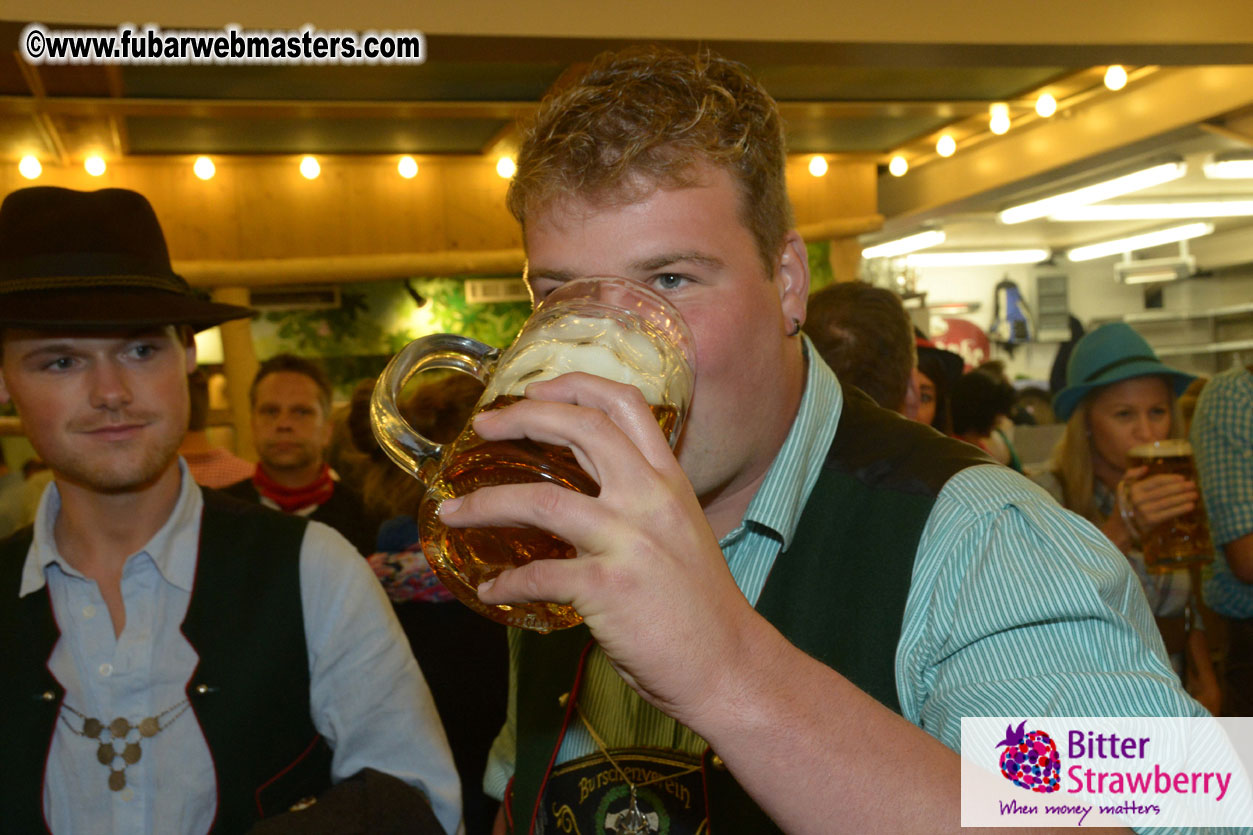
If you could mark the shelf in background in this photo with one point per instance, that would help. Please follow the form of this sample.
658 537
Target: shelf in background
1204 348
1181 315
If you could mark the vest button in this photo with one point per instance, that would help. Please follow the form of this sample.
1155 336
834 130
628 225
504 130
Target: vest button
201 689
717 763
48 696
563 699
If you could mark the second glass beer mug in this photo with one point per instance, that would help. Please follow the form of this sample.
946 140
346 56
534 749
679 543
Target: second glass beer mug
610 327
1183 540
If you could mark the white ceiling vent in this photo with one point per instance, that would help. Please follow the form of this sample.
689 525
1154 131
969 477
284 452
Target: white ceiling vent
295 297
488 290
1155 270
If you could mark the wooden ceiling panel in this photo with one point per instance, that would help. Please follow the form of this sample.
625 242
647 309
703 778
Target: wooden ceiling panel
188 135
20 136
504 81
12 79
74 80
809 82
873 135
82 136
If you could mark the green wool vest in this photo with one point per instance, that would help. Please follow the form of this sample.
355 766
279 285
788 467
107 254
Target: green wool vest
838 593
249 692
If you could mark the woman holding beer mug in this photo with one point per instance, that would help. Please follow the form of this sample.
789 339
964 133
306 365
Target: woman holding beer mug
1120 396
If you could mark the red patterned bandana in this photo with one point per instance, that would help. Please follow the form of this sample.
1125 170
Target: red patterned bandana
291 499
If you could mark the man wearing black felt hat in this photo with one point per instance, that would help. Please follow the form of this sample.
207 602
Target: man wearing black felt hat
175 661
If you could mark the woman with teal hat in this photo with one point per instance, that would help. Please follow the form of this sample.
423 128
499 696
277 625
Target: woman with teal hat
1119 395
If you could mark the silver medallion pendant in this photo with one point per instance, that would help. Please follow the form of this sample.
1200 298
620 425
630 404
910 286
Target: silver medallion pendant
631 821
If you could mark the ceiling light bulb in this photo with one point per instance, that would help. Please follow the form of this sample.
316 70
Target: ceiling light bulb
946 146
310 168
29 167
898 166
1137 242
1128 183
1046 105
902 246
998 122
94 165
407 167
1116 77
204 168
818 165
506 167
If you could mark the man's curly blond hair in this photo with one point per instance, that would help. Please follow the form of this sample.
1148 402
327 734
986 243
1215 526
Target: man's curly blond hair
645 118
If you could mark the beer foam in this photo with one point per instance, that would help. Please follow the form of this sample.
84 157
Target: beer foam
599 346
1169 448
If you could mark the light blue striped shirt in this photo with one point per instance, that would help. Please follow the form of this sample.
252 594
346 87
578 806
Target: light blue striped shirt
367 696
1016 607
1222 439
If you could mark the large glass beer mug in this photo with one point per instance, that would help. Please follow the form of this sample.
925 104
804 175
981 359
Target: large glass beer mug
1183 540
610 327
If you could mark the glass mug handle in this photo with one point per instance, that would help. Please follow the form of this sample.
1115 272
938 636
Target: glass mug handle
414 453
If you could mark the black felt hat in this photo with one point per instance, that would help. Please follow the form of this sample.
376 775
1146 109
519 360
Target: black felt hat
92 260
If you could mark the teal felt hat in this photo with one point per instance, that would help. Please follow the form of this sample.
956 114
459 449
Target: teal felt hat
1110 354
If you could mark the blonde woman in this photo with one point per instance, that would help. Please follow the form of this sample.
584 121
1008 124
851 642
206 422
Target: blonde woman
1119 396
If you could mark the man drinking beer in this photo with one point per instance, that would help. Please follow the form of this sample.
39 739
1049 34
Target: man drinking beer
780 607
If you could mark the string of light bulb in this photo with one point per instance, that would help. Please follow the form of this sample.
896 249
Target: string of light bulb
204 168
1003 116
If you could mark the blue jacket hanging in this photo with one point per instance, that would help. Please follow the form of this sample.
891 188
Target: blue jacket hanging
1012 323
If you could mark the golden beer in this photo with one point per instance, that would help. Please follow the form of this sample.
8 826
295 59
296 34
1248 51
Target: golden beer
1178 542
463 558
608 327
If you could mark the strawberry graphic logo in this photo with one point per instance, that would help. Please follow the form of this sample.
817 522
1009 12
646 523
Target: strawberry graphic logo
1030 760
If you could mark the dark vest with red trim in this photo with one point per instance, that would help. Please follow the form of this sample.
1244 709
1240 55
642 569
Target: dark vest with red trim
250 691
838 593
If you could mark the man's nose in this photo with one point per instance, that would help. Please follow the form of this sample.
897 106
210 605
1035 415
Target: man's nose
110 388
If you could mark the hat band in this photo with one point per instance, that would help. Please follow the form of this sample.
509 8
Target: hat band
101 266
1124 361
89 282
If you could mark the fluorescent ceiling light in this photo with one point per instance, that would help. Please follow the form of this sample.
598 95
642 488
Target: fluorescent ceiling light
902 246
1230 169
1157 211
1145 241
977 258
1128 183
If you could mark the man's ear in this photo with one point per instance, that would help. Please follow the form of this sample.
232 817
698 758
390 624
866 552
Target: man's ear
792 278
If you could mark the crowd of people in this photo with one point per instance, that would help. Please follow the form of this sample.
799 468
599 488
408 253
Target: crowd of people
1113 396
781 616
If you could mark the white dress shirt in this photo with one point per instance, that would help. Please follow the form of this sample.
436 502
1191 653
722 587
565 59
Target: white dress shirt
367 696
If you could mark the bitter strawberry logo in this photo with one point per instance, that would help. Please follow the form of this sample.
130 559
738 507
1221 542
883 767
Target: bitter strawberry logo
1030 760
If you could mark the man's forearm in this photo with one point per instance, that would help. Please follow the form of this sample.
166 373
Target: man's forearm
820 756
